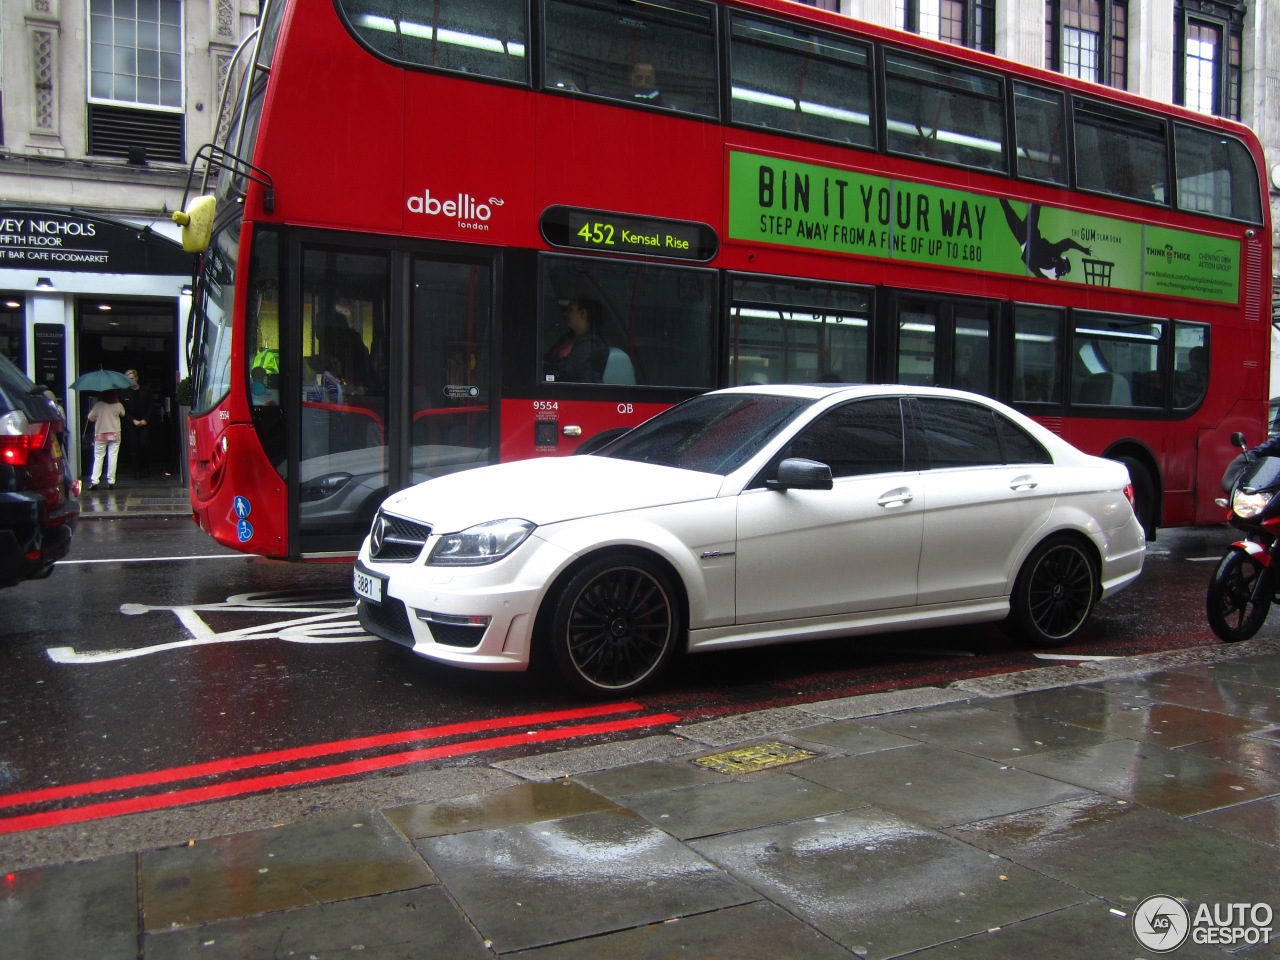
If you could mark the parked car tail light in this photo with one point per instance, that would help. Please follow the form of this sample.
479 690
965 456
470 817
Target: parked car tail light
1129 495
19 438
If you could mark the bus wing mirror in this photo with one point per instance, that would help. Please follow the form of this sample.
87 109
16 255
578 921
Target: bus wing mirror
197 223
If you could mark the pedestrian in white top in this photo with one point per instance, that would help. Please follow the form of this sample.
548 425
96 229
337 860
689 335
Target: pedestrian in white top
106 415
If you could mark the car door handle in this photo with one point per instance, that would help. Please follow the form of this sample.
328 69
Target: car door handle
896 498
1024 482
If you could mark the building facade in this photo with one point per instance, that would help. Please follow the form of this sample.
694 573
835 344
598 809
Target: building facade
104 102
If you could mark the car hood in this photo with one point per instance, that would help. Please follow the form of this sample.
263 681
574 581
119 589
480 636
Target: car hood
548 490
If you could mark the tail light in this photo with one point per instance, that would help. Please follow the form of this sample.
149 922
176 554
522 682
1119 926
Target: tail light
20 438
1129 495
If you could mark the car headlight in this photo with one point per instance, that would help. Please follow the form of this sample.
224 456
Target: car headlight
483 543
1248 505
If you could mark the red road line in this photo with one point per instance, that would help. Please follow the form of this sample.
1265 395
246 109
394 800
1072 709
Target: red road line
235 788
250 761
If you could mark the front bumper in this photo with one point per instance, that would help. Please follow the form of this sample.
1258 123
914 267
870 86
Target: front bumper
476 617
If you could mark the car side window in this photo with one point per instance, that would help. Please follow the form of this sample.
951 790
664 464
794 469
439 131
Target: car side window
1018 445
858 438
961 434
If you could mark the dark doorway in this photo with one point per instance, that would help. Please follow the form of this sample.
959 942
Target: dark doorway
137 335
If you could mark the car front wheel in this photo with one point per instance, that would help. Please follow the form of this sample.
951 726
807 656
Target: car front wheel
615 625
1054 593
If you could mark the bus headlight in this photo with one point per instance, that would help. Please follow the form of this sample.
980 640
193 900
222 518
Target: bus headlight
483 543
1248 505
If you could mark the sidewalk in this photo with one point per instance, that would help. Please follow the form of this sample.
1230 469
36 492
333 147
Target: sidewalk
163 496
1023 815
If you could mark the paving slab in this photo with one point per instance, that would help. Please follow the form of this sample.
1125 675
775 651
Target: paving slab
537 884
852 737
882 886
937 786
1124 853
392 926
706 809
755 931
1170 780
994 734
520 803
338 858
84 909
1061 935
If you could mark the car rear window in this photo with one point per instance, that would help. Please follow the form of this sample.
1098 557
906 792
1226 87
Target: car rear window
18 392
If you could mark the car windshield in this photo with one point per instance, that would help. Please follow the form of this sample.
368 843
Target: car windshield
713 433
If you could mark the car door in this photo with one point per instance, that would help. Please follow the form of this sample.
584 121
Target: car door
989 487
853 548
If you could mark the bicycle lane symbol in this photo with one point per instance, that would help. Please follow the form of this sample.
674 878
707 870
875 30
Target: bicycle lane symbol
314 618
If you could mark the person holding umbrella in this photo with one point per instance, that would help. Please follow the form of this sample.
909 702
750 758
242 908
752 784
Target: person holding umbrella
105 415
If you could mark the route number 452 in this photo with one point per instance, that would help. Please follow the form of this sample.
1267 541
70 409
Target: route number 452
597 233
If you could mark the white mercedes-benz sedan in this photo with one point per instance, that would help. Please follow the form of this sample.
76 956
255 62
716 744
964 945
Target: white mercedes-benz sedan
748 516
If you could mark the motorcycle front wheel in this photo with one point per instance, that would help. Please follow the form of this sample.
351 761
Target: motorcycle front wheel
1239 597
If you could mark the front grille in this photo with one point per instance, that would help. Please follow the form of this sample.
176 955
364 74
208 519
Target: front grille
397 540
388 620
456 635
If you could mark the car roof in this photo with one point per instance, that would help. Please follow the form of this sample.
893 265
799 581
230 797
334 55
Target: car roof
820 391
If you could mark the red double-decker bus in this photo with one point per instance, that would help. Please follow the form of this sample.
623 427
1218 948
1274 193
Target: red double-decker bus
445 234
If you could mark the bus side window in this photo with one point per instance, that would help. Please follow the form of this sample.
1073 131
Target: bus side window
807 83
665 60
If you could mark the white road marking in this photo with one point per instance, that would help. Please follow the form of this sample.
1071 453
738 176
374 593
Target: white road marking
326 619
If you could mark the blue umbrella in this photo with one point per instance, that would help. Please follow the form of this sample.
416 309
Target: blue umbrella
96 381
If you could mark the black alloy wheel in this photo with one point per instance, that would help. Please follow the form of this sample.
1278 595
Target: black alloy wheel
1239 596
1054 593
615 625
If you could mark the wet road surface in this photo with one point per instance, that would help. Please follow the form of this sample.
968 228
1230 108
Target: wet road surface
158 669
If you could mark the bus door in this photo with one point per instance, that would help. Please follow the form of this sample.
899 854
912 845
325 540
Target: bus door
345 327
449 373
395 382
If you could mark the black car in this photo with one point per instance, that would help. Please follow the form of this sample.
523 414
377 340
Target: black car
38 506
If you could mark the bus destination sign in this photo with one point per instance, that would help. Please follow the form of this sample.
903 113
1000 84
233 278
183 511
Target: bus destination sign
607 232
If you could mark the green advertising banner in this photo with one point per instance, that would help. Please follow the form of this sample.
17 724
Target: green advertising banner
773 200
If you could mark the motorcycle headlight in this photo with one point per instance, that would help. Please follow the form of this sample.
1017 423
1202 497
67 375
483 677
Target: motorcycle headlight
1248 505
483 543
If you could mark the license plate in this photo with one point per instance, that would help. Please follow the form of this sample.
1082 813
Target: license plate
370 586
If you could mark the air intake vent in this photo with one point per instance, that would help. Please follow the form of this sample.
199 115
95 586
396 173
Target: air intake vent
121 131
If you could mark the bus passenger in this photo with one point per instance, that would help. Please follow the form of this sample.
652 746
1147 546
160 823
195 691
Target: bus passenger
644 85
580 354
338 342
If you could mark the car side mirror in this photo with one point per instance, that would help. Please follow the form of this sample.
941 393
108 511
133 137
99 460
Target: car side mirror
796 473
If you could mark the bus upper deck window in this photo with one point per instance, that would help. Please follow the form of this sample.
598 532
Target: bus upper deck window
944 113
483 37
1121 153
800 82
656 55
1216 175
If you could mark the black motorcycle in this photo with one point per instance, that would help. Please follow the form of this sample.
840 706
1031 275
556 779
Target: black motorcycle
1244 584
